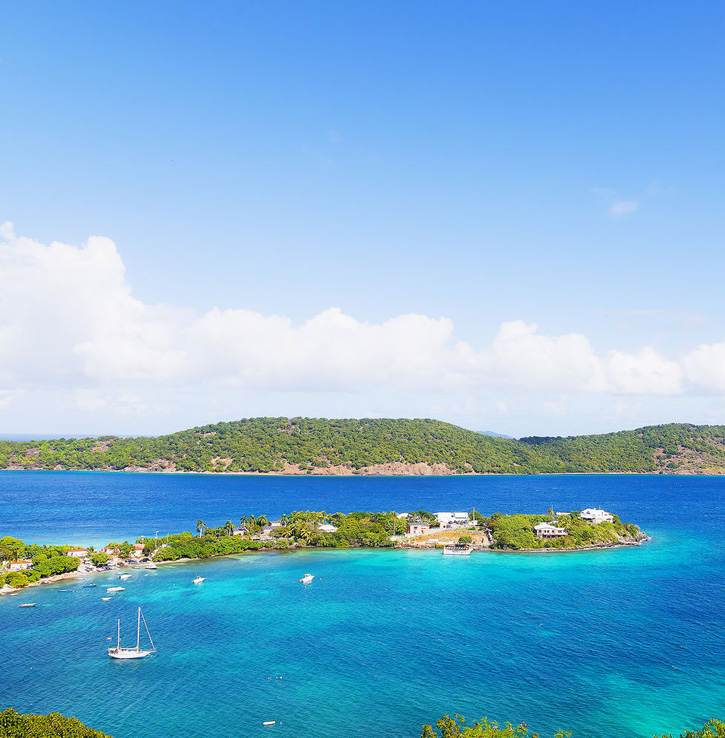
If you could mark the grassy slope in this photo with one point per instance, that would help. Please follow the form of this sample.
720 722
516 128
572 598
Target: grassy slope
314 445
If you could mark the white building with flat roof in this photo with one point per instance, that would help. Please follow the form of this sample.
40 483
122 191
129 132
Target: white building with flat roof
452 519
596 515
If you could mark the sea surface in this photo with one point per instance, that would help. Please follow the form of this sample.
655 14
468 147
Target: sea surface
620 642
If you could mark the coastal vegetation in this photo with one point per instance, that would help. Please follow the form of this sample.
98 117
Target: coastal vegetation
517 531
318 529
47 561
455 727
54 725
378 446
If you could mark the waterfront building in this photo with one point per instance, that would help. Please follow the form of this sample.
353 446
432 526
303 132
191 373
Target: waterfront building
596 515
78 553
327 528
548 530
452 519
418 529
20 565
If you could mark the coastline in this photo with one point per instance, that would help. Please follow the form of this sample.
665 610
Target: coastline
367 475
55 578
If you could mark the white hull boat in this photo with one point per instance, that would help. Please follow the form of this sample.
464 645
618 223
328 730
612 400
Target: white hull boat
115 589
307 578
133 652
457 550
151 566
198 580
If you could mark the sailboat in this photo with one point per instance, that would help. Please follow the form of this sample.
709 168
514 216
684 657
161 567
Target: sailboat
132 652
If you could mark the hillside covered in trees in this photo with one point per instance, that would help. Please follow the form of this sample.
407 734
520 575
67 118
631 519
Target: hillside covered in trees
378 446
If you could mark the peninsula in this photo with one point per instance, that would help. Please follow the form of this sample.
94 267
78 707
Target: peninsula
318 446
25 564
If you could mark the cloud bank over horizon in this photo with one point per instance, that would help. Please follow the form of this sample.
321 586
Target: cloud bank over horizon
69 323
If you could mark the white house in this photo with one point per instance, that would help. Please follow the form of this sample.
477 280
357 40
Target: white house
452 519
276 524
596 515
77 553
327 528
418 529
547 530
20 565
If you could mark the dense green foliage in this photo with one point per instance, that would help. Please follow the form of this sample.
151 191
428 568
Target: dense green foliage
517 531
47 561
14 725
298 528
455 727
312 444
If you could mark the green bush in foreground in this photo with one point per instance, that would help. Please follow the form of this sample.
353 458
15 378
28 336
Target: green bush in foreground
455 727
14 725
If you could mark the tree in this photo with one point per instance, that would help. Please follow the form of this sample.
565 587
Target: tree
200 527
229 527
99 558
11 548
455 727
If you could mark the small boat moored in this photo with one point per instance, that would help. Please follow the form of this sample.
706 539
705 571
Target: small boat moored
115 589
307 578
198 580
457 550
151 566
125 576
28 604
105 599
269 722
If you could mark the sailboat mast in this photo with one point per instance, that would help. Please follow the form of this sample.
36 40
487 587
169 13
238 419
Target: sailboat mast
153 648
118 643
138 630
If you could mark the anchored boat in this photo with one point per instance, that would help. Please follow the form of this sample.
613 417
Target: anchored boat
307 578
457 550
132 652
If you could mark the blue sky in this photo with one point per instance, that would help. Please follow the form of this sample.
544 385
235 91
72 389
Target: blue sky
476 165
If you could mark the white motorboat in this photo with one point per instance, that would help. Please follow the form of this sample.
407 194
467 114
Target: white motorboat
105 599
198 580
115 589
307 578
457 550
133 652
28 604
125 576
151 566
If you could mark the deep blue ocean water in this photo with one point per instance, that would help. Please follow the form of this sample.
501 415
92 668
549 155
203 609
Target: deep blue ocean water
622 642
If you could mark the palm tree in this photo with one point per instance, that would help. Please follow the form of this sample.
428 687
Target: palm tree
262 521
243 521
200 527
229 527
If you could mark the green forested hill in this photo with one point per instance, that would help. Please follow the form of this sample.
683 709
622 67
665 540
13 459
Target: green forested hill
318 445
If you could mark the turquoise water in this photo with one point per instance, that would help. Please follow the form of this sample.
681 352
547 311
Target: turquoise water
625 642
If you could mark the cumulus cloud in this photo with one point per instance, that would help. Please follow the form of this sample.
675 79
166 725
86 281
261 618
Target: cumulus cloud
622 207
68 319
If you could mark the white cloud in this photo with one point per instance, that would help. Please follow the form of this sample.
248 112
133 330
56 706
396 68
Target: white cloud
622 207
705 366
68 320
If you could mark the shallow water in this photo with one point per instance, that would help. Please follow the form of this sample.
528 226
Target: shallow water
624 642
